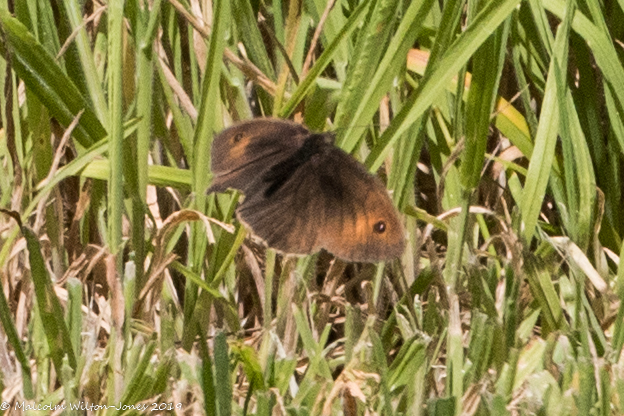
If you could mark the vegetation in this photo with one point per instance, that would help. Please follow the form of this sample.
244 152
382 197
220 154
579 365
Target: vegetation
497 125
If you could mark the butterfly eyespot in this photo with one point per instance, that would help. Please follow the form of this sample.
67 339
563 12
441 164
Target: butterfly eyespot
379 227
238 137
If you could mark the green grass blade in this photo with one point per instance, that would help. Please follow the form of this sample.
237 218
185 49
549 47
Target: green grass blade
546 138
140 377
207 377
488 65
323 61
370 44
115 146
223 388
13 339
45 78
359 108
604 52
51 313
88 69
455 58
210 106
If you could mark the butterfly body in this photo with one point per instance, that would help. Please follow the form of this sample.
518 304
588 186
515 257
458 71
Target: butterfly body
303 194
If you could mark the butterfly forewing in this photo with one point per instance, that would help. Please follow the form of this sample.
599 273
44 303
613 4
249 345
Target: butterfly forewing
245 151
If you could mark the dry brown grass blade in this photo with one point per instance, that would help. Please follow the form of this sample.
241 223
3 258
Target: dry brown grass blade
73 244
84 264
575 254
154 282
317 33
9 131
509 154
187 215
185 101
256 273
162 258
13 214
58 154
116 292
471 400
77 30
244 65
332 280
281 49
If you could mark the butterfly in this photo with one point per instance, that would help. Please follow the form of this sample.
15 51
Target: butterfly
304 194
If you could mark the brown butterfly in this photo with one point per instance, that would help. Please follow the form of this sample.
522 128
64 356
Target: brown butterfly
303 194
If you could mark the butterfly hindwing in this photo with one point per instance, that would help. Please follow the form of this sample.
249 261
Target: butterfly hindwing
361 223
282 217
